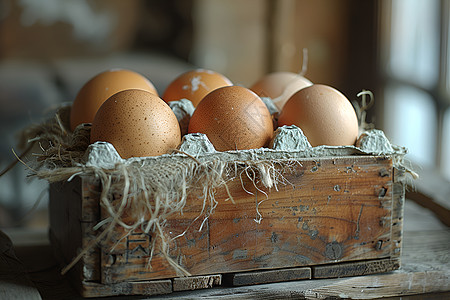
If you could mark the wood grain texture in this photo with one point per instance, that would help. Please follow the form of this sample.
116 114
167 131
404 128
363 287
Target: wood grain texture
355 268
65 202
90 216
389 285
427 250
334 210
398 201
74 211
260 277
196 282
425 269
147 288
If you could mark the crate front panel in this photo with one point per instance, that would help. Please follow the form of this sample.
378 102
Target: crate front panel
331 210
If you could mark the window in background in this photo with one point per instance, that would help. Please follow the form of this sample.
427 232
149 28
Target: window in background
414 43
416 69
445 154
410 121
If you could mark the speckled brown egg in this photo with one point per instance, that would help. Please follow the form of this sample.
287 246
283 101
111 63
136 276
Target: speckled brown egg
233 118
194 85
280 86
324 114
137 123
99 88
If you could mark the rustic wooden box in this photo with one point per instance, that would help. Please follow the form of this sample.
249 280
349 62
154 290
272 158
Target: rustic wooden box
339 217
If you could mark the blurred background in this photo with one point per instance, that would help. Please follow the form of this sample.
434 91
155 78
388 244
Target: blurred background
398 49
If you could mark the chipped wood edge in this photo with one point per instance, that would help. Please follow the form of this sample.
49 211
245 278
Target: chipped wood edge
196 282
147 288
398 201
357 268
269 276
90 215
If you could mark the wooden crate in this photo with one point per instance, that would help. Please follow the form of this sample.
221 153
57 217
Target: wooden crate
339 217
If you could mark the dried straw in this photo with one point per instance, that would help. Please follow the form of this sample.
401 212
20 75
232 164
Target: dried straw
149 190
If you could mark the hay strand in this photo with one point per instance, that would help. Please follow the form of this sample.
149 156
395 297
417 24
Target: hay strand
141 194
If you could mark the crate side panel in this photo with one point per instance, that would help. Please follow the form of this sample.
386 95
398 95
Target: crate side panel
126 257
269 276
359 268
65 229
90 193
147 288
398 201
74 211
196 282
330 210
333 212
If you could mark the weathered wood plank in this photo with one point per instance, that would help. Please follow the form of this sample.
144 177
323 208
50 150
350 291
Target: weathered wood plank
389 285
334 210
355 268
74 211
66 236
148 288
398 200
427 250
270 276
425 267
196 282
90 216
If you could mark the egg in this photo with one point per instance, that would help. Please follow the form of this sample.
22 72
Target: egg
137 123
279 86
99 88
324 114
194 85
233 118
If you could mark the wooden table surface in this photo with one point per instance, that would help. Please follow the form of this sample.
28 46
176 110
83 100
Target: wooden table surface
29 271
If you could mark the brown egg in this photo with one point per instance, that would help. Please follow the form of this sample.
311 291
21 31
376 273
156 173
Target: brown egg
194 85
233 118
137 123
94 92
324 114
280 86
